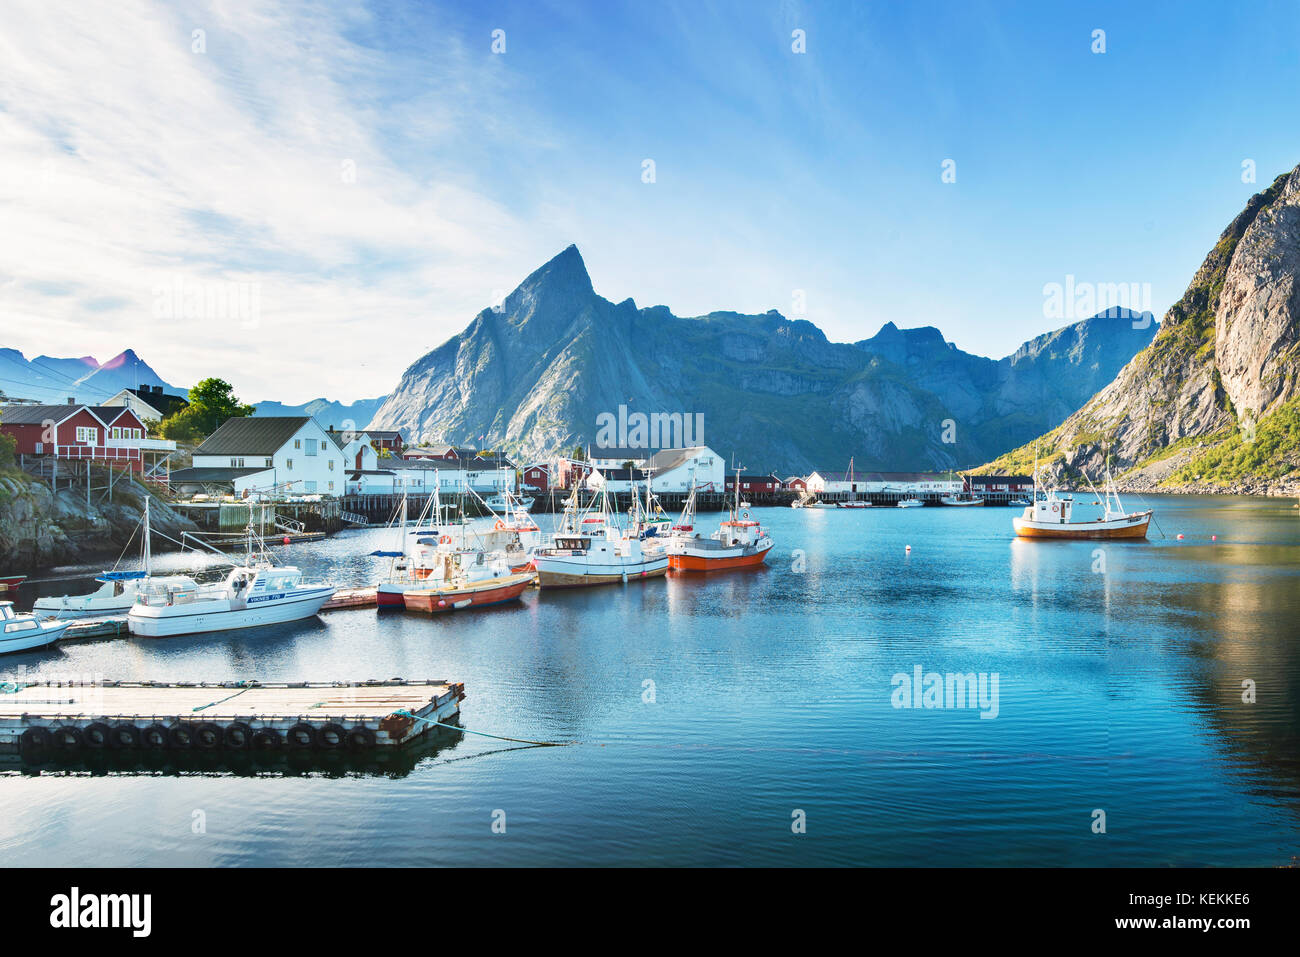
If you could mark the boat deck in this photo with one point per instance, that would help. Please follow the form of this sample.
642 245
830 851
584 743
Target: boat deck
200 716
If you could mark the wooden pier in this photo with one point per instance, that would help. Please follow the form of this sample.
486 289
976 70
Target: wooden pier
43 718
351 598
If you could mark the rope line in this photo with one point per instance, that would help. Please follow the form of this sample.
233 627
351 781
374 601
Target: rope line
452 727
210 704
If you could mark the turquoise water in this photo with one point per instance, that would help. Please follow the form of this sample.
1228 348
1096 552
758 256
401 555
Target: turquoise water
1119 680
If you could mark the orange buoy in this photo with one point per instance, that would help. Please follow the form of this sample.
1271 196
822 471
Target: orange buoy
285 539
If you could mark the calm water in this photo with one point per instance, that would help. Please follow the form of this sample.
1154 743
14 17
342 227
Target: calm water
1118 690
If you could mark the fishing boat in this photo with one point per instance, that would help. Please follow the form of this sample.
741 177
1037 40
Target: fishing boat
465 578
11 582
26 632
960 500
1053 515
418 549
854 504
576 557
115 595
512 533
910 503
739 542
254 593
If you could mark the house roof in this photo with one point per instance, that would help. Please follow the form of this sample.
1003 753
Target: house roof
181 476
622 475
37 414
621 453
383 434
666 459
1000 479
137 398
252 435
357 473
108 414
337 436
861 475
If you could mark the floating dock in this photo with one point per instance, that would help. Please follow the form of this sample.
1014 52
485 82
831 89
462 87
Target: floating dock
351 598
43 718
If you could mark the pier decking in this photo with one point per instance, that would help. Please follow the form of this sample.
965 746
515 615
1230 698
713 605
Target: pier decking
44 717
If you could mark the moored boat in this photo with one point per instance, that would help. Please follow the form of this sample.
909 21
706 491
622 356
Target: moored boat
578 557
910 503
26 632
252 594
1053 516
11 582
462 593
738 542
960 501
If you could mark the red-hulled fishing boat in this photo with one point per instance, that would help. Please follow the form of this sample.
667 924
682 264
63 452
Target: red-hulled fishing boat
738 543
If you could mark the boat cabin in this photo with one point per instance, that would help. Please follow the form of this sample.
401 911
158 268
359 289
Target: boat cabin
14 622
1051 509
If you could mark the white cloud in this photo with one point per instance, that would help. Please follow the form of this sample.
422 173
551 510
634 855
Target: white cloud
128 162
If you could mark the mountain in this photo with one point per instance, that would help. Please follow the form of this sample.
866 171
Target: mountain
1214 402
535 374
51 379
356 415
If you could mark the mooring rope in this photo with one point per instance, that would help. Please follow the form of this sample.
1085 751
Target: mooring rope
203 707
452 727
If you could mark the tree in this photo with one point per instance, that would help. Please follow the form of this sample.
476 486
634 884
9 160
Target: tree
212 402
579 454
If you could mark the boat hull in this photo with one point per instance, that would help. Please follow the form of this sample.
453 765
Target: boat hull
71 608
573 575
1120 529
11 582
148 621
33 640
435 600
687 562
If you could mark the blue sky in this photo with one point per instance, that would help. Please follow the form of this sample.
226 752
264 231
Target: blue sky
131 162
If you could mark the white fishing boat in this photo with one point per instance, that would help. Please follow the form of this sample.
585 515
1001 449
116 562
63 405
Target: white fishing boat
910 503
960 501
26 632
252 594
1053 515
577 558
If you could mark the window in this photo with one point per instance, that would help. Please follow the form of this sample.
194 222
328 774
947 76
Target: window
288 464
88 435
309 486
267 462
297 443
331 465
331 486
236 463
311 446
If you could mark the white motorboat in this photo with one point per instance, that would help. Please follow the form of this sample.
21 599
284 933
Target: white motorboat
910 503
115 595
252 594
959 501
26 632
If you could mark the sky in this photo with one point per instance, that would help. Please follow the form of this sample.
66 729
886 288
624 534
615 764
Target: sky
304 197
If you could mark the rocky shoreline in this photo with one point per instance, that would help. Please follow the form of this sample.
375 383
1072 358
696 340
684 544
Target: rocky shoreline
40 528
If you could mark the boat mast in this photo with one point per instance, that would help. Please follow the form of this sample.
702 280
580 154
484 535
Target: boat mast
148 548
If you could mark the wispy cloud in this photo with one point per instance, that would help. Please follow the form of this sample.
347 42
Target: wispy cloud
135 153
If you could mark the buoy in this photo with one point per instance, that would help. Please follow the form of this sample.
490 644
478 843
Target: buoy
1214 538
1180 538
442 603
285 540
909 548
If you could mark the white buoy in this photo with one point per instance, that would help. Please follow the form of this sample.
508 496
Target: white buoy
909 548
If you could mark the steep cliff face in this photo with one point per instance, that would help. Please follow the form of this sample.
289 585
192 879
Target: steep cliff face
1189 410
534 374
40 528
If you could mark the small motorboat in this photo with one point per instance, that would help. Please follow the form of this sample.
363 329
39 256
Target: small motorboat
910 503
11 582
959 500
854 505
115 595
26 632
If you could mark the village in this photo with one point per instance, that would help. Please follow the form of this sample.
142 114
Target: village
322 478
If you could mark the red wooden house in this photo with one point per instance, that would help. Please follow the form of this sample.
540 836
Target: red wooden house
106 435
753 483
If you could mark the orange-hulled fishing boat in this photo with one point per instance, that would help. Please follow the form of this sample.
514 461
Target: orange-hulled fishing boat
738 543
458 593
1055 516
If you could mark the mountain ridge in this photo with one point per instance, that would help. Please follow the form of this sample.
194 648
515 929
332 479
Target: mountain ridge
532 374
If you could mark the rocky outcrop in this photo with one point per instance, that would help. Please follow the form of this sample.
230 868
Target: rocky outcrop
532 376
40 528
1189 411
